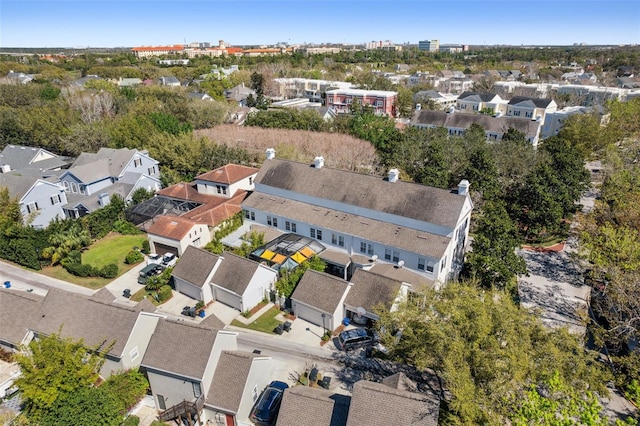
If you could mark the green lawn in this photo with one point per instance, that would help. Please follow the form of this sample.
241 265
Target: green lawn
111 249
142 293
266 323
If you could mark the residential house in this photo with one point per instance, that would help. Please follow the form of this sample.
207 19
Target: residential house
377 404
477 102
494 127
199 96
84 80
40 201
180 363
93 178
18 77
149 51
241 283
319 299
311 89
32 161
326 113
193 273
239 94
237 382
174 234
441 100
313 407
18 315
208 201
530 108
370 291
352 214
383 102
120 330
170 81
129 82
555 120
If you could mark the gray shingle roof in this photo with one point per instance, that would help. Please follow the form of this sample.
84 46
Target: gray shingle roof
376 404
17 185
180 348
538 102
406 199
20 157
230 379
370 290
91 201
348 224
312 407
464 121
195 265
94 321
106 160
477 96
320 290
18 312
235 272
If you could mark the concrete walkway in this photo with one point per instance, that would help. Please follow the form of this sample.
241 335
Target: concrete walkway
23 279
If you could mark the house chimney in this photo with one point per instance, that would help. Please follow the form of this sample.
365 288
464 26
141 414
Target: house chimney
318 162
418 107
463 187
393 175
103 199
271 153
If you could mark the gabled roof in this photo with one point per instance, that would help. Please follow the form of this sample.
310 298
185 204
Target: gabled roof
195 265
91 202
538 102
107 161
320 290
477 96
20 157
228 174
376 404
17 185
464 121
370 290
230 379
235 272
172 227
80 317
18 314
406 199
318 407
180 348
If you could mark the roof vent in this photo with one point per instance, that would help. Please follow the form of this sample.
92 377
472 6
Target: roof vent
463 187
393 175
498 114
400 263
452 110
374 258
271 153
103 199
318 162
6 168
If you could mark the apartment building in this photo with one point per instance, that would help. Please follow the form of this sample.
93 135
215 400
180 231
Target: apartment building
383 102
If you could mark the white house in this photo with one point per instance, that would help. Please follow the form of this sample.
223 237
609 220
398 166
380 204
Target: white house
173 234
40 201
530 108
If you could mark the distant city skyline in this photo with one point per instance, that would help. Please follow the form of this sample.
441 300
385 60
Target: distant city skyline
117 23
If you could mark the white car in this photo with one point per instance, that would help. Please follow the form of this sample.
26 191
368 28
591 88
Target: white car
169 259
154 259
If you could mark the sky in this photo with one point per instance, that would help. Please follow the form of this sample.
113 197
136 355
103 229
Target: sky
100 23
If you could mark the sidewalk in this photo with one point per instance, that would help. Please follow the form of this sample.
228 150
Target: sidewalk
23 279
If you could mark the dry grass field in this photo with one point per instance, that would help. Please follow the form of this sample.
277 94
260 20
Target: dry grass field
339 150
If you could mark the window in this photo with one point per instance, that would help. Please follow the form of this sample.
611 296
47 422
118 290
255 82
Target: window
151 170
253 216
387 254
340 240
312 232
269 221
370 249
56 199
396 256
254 393
516 113
66 186
134 353
443 263
251 181
137 162
319 234
363 247
287 225
74 187
293 227
161 403
221 189
349 100
220 419
430 266
197 390
528 114
379 103
275 222
334 239
421 264
196 242
32 207
247 214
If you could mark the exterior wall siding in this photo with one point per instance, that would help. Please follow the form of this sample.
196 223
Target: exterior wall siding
41 193
139 339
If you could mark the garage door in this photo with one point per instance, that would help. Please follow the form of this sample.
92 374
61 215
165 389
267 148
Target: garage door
226 297
311 314
190 290
163 248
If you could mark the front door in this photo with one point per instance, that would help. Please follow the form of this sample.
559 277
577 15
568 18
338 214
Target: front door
230 420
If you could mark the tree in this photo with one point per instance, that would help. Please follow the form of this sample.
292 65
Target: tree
493 260
487 351
63 243
10 216
52 368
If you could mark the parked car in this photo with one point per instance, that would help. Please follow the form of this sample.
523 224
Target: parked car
169 259
149 271
154 258
265 410
358 338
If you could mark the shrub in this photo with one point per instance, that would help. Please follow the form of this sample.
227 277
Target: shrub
199 304
133 257
131 421
80 270
145 246
164 293
125 228
109 271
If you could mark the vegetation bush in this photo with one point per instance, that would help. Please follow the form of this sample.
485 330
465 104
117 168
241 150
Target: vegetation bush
164 293
109 271
125 227
145 246
131 421
133 257
79 269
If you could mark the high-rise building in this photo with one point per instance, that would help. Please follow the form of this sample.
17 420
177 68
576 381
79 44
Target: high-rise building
429 45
